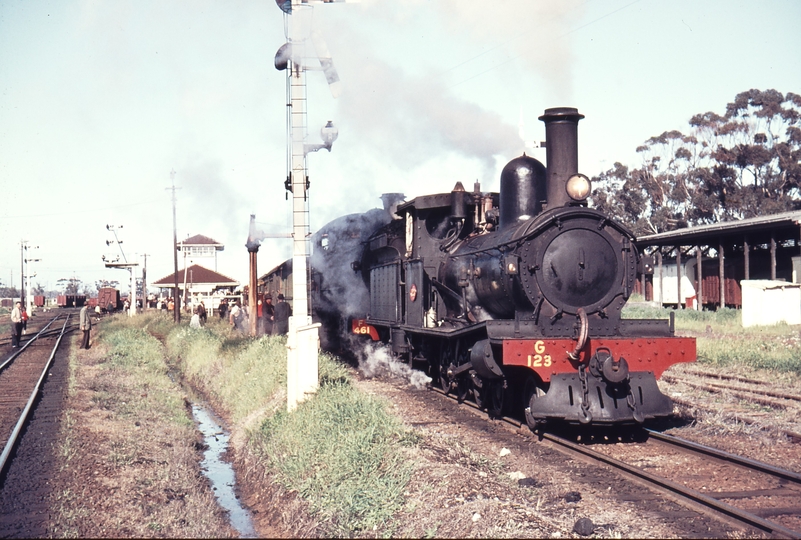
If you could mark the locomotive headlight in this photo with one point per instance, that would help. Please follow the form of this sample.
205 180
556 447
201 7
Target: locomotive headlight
578 187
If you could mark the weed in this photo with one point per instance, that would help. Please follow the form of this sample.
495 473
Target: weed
722 341
340 452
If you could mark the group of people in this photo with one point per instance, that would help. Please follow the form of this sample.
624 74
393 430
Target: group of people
166 304
19 323
272 319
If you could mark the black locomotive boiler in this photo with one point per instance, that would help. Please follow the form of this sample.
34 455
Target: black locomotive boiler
514 299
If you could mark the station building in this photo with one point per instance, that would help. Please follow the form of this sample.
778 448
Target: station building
708 266
196 280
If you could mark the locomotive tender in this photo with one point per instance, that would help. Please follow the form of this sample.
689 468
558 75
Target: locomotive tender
513 299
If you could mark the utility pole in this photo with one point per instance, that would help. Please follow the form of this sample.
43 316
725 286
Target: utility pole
144 283
176 310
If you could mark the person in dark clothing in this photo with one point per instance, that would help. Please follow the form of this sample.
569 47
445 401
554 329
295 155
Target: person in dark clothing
223 308
201 311
268 315
282 313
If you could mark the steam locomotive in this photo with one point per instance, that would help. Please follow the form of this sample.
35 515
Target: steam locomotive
511 299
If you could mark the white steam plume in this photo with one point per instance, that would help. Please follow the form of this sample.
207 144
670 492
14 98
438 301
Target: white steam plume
376 360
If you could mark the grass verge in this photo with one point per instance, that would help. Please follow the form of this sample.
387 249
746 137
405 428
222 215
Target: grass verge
722 340
341 451
129 447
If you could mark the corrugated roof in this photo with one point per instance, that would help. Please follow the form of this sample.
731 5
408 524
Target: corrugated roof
712 232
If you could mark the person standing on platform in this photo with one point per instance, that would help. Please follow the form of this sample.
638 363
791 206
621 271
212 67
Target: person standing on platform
237 317
282 313
86 325
201 311
268 311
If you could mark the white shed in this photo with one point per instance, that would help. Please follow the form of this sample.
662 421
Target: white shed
768 302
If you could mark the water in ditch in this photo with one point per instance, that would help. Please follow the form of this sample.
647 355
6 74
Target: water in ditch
219 472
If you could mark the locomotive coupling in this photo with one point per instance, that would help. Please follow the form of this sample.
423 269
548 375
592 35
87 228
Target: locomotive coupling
603 364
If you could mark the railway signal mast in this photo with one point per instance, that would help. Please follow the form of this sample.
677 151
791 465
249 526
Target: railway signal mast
25 290
303 338
126 265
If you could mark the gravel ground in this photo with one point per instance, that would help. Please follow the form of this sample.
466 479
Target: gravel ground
474 477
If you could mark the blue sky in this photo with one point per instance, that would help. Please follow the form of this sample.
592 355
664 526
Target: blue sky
100 100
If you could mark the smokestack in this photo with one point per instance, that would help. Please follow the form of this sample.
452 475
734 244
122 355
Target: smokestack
561 134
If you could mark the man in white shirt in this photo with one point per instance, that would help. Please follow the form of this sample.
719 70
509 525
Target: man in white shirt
86 325
16 324
237 317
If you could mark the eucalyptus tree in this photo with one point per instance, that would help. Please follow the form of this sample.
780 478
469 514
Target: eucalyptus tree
743 163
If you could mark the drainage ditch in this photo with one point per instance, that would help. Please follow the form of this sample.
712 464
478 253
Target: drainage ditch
220 472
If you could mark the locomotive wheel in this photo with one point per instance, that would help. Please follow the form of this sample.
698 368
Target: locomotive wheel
464 383
463 386
444 380
532 389
445 364
479 393
495 398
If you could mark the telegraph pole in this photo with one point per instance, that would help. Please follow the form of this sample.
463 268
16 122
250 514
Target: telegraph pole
176 310
144 283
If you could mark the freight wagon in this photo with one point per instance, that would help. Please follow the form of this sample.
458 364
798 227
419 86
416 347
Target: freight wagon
108 299
71 300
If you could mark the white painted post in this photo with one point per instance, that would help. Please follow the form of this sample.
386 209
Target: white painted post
301 359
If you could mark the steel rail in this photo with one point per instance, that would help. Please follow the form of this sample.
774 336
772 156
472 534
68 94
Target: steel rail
39 334
677 489
29 405
726 456
42 333
699 499
718 386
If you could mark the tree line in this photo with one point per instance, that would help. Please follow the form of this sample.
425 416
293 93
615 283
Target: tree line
743 163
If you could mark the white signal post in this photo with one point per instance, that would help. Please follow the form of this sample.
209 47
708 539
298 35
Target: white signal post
303 338
28 290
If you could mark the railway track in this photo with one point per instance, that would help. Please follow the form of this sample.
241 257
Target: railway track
733 488
784 407
21 377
